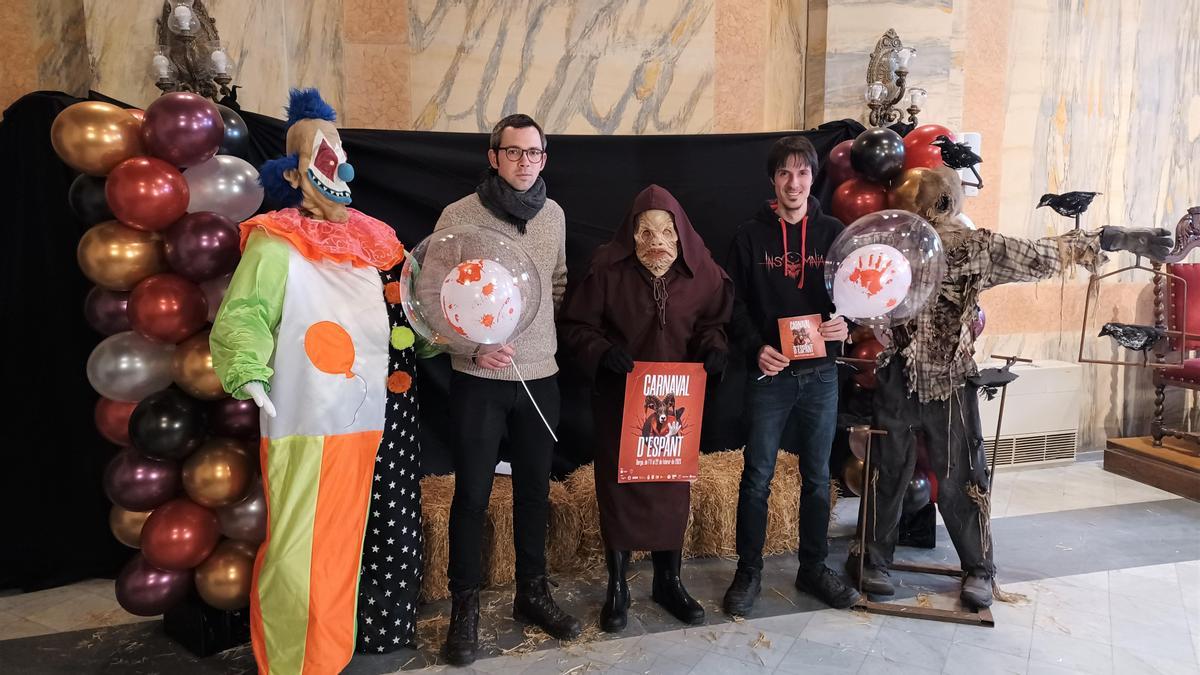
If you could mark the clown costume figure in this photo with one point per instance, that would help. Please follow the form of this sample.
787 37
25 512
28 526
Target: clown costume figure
928 381
309 331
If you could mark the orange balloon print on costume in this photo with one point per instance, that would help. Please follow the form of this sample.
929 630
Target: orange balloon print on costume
469 271
330 348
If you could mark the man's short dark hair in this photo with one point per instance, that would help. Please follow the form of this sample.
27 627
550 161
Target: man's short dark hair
785 148
516 121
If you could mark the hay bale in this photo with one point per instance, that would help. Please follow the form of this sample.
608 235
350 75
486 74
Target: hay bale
564 530
581 493
714 504
436 495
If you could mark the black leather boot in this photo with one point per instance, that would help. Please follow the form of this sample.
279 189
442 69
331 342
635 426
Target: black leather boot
614 615
462 638
533 604
669 591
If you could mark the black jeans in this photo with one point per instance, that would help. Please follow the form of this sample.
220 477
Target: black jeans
770 402
955 445
481 411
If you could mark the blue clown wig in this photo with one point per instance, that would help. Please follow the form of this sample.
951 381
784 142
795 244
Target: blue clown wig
303 104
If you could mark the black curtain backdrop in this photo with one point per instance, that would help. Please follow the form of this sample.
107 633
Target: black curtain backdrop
54 513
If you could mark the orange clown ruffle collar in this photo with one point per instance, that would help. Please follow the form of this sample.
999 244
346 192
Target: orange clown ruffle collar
362 241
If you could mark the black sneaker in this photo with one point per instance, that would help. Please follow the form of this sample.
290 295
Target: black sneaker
739 599
824 583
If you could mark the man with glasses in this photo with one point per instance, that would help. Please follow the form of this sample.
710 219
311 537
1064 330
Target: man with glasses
487 399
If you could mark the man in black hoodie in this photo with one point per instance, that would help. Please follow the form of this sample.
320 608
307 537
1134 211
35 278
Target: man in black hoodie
777 262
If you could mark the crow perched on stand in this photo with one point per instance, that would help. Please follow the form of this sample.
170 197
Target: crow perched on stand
1069 204
959 156
1132 336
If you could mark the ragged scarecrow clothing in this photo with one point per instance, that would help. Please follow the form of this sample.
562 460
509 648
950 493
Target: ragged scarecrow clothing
678 317
305 315
937 344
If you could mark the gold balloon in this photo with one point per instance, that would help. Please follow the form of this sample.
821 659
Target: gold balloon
223 579
852 475
118 257
127 525
905 192
217 474
192 368
93 137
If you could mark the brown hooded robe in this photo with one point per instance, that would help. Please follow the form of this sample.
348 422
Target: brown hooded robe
615 304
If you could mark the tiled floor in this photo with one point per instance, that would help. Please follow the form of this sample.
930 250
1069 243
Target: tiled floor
1074 541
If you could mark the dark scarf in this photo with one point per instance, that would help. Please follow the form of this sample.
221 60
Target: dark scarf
517 208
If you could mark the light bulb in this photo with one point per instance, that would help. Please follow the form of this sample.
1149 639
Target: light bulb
181 17
875 92
162 66
917 97
903 56
220 62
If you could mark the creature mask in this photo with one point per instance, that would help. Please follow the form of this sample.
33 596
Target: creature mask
655 241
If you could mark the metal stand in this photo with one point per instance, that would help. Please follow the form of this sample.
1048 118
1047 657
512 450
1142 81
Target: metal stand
981 618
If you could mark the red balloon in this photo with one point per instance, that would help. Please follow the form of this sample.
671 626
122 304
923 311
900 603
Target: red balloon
183 128
146 590
112 419
107 311
179 535
202 245
869 349
856 198
167 308
146 193
838 165
917 148
232 418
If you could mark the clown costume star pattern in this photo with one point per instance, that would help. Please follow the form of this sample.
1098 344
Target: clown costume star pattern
390 581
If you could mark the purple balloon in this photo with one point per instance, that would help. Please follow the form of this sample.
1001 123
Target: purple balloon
978 324
232 418
146 590
182 128
200 246
139 483
105 310
246 520
214 292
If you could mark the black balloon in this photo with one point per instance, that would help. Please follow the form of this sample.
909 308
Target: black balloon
106 311
167 424
237 136
878 154
918 493
234 419
87 200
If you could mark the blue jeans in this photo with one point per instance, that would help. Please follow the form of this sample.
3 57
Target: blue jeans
813 397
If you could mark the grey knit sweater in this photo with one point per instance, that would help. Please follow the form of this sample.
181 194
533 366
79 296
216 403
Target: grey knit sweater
545 242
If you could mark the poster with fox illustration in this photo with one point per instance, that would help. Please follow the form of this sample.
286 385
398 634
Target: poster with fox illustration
660 429
800 337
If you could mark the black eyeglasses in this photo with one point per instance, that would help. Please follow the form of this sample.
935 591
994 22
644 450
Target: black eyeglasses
513 153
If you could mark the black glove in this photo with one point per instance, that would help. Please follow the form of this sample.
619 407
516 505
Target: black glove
715 362
1154 243
617 360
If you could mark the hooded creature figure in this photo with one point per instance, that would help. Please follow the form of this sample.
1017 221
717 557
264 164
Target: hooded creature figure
653 293
926 377
305 330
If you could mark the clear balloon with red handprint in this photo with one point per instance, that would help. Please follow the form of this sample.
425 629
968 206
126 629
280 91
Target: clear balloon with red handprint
883 268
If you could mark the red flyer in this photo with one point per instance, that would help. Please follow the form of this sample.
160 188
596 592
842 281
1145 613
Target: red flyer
660 439
800 337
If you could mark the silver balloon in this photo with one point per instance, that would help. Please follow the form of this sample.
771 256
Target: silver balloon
214 293
246 520
128 367
226 185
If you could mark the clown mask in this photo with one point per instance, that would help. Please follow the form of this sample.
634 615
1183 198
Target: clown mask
655 241
323 173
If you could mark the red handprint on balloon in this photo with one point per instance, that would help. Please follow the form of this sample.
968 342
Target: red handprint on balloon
873 274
